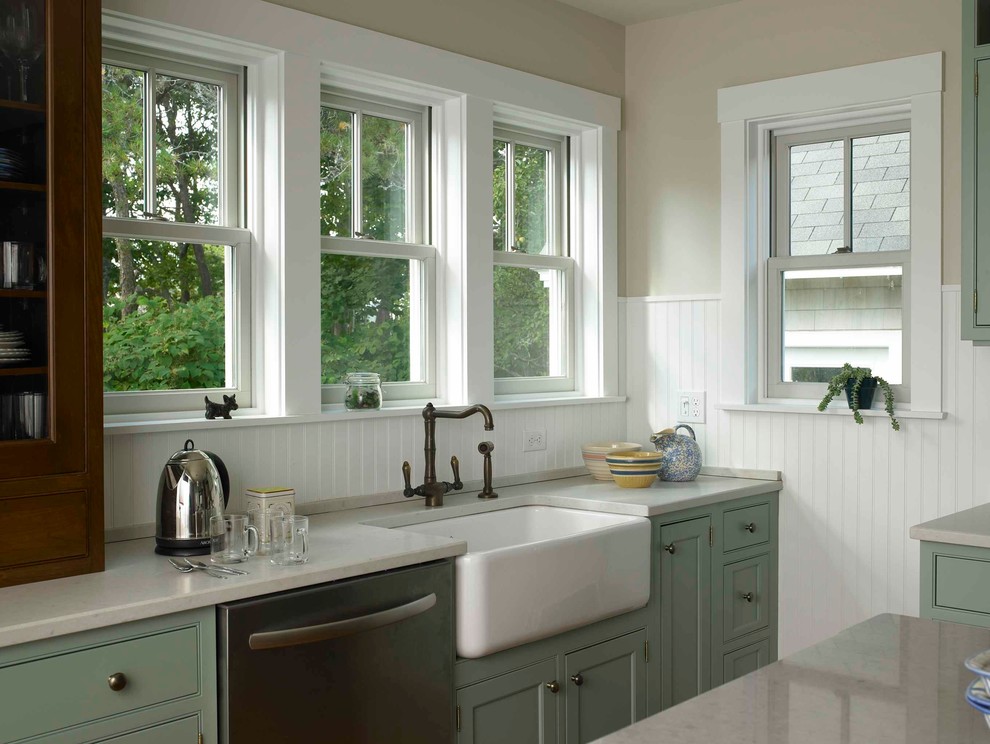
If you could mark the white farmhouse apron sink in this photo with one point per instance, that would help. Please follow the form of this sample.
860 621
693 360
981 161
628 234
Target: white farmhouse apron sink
531 572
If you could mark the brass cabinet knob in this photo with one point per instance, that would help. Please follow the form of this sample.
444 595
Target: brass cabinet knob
554 687
577 679
670 548
751 527
748 596
117 681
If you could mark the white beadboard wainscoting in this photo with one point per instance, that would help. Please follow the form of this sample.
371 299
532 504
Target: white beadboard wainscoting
338 460
851 493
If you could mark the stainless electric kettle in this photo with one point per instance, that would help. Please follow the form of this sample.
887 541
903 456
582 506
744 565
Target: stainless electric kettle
194 486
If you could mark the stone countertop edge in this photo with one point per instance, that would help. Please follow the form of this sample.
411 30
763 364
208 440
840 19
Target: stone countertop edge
967 527
138 584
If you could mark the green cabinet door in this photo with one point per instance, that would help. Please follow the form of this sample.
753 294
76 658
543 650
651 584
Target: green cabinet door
747 659
183 731
981 257
606 687
513 708
685 556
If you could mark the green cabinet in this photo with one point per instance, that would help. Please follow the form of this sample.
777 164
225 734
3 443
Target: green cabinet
975 315
144 682
518 706
714 598
955 583
606 688
685 597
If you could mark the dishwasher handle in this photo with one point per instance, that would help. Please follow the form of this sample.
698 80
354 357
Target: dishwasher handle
340 628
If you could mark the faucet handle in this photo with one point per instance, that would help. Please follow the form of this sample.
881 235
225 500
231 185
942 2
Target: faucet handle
455 465
407 477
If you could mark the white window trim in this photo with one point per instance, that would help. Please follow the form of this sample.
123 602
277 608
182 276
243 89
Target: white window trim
290 56
422 304
227 232
562 292
911 86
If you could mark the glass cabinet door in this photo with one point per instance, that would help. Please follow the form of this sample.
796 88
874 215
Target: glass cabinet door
43 284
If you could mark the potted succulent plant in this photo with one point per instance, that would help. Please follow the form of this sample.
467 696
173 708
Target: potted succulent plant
860 385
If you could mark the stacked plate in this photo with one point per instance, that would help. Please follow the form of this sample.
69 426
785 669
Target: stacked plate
13 350
978 692
12 165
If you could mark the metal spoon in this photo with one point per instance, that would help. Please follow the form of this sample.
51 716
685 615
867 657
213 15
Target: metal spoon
189 569
222 569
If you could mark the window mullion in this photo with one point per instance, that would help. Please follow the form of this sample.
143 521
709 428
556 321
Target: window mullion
848 196
510 197
150 151
356 211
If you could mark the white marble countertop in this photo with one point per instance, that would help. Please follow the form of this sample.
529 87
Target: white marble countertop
968 527
891 679
138 584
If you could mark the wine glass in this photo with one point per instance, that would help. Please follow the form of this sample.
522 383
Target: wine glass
20 42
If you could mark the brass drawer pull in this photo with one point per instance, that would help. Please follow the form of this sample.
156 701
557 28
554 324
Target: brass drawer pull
750 528
117 681
748 596
554 687
577 679
670 548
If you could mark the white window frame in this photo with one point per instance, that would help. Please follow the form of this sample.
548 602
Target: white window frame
557 260
910 88
230 231
780 259
418 250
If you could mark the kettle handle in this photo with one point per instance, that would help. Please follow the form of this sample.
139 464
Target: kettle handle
690 430
224 476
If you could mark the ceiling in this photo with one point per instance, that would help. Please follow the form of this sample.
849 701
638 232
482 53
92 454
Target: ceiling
627 12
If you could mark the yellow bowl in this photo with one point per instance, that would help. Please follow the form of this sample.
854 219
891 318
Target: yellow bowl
634 481
594 456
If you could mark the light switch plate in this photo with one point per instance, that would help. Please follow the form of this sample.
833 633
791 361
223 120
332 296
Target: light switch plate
691 407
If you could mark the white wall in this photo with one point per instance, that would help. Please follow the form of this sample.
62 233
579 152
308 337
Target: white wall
341 459
851 493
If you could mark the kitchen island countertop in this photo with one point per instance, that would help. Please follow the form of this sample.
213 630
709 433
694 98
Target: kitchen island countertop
891 679
138 584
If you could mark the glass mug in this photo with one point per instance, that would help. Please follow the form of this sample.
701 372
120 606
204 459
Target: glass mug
232 539
290 540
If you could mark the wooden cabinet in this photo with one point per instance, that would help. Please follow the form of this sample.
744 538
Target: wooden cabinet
149 681
51 421
606 688
685 596
975 317
518 707
714 599
955 583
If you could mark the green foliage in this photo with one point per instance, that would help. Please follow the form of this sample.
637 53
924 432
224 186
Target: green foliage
522 323
161 347
857 375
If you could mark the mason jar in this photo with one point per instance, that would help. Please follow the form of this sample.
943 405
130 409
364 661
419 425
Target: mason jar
364 391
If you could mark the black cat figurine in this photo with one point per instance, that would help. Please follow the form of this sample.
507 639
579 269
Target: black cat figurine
220 409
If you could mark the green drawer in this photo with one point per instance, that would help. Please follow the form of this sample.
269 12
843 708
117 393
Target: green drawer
174 732
962 583
745 597
745 527
742 661
158 668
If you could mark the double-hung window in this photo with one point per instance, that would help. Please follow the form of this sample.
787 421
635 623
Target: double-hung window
176 257
377 264
838 274
533 271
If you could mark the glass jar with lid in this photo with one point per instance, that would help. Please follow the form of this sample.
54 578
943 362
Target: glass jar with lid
364 391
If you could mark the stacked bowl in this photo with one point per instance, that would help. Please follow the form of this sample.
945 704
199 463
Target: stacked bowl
634 469
978 692
594 456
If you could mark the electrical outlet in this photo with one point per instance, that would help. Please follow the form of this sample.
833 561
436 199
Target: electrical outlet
691 407
534 440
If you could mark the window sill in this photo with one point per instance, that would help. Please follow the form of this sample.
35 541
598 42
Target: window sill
194 421
833 410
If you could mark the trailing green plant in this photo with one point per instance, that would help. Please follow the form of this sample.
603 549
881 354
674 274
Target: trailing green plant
857 375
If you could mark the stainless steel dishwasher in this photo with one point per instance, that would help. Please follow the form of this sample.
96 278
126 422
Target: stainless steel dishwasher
369 659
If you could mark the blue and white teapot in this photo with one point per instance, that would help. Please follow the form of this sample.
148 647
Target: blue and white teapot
681 455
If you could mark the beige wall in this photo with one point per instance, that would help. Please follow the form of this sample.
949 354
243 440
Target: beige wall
674 68
543 37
